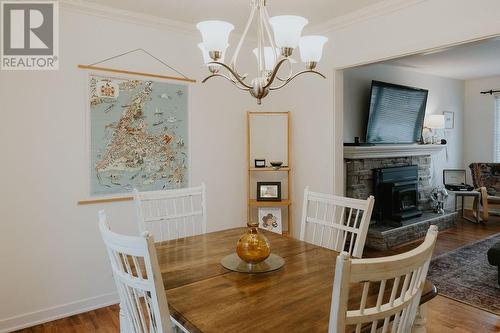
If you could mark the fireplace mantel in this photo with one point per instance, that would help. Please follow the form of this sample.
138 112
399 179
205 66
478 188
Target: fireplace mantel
388 151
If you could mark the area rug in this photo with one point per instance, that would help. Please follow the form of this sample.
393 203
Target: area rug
465 275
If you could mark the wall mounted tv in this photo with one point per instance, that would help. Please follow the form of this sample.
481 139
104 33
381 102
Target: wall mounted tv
396 113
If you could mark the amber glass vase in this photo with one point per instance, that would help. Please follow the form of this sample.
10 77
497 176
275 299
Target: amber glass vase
253 247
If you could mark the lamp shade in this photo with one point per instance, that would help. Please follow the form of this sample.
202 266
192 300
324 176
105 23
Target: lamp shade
311 48
435 121
206 56
269 57
287 29
215 34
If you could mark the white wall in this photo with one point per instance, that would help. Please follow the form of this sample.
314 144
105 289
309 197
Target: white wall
445 94
479 118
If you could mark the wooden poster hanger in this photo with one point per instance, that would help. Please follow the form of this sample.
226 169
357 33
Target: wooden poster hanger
121 71
104 200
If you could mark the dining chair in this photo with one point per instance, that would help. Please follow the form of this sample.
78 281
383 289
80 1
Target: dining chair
143 303
172 214
398 281
337 223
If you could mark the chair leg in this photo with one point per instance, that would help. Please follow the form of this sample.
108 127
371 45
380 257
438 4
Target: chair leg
484 203
123 321
475 209
419 324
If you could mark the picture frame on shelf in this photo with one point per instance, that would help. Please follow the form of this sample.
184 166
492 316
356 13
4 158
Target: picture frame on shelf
260 163
449 119
270 219
268 191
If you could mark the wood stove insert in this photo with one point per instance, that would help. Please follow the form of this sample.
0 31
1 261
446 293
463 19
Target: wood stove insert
396 194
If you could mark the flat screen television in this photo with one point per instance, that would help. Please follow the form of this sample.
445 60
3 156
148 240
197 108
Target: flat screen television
396 113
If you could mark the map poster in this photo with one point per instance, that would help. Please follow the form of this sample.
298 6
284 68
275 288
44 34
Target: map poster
138 134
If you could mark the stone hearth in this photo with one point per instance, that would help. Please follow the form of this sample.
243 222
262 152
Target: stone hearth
360 184
382 237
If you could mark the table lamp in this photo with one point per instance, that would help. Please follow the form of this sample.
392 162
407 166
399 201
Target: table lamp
434 122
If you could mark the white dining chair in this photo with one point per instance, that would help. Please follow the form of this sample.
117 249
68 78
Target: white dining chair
399 280
143 303
172 214
337 223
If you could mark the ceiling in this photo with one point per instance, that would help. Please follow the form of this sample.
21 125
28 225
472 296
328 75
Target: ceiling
465 62
237 11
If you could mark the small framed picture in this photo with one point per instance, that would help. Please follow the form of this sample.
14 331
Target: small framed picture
260 163
270 219
449 119
268 191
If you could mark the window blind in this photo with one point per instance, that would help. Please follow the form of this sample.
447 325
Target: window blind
497 128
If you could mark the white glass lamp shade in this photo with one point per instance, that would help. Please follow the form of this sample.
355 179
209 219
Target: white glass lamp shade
287 30
435 121
269 57
206 56
215 34
311 48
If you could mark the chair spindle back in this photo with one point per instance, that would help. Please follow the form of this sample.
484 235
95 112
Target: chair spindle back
396 280
138 280
337 223
172 214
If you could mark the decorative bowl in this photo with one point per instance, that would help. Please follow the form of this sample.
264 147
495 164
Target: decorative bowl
276 164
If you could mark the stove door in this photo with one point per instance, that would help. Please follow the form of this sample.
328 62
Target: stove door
405 198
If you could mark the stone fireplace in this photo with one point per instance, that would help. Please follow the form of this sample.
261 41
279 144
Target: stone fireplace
399 177
361 177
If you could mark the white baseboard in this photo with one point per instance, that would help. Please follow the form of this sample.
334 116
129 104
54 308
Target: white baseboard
57 312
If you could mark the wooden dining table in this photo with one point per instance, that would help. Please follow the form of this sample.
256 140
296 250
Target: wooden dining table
205 297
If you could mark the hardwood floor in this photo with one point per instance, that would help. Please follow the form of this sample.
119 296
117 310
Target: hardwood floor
444 314
104 320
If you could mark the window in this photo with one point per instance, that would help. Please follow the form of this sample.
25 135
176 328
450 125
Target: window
497 128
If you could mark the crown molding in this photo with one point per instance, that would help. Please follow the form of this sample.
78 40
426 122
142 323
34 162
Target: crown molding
366 13
372 11
84 7
122 15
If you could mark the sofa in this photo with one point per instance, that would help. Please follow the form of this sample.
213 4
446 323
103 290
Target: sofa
494 258
486 178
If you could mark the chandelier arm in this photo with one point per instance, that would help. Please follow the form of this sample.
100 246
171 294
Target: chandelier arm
242 39
275 72
293 77
233 73
237 76
236 84
290 73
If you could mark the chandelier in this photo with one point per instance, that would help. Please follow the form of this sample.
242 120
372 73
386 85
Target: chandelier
274 49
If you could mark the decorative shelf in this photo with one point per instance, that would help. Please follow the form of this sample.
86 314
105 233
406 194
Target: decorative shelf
395 150
282 203
269 169
268 139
